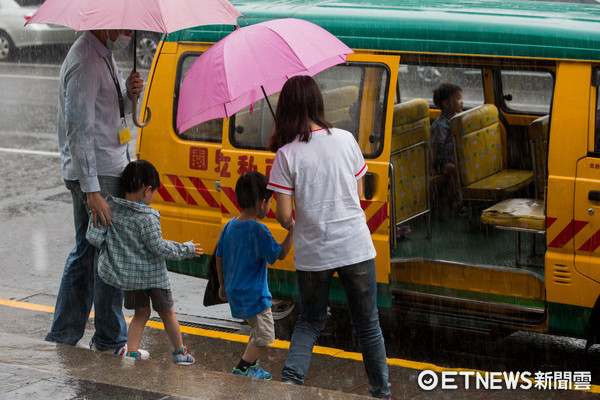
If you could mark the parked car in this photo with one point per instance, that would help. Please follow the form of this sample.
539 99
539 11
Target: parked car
14 34
146 44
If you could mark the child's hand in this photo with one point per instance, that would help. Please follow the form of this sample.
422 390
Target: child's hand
222 294
291 225
198 251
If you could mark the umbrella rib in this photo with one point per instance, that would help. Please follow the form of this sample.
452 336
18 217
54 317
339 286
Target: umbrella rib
162 21
82 16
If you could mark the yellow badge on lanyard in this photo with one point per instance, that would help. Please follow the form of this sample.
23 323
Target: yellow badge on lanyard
124 134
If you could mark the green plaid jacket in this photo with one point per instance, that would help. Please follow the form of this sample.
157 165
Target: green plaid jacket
132 250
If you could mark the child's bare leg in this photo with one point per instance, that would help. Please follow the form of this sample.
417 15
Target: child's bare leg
252 352
136 328
172 327
250 356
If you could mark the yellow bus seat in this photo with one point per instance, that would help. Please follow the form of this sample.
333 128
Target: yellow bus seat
518 215
338 101
338 107
410 161
538 140
478 148
525 214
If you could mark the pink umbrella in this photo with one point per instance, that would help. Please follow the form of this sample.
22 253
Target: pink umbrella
147 15
251 63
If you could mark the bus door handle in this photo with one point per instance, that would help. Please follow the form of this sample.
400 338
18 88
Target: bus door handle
594 195
218 186
369 185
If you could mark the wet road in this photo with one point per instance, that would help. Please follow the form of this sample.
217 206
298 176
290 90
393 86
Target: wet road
36 228
35 207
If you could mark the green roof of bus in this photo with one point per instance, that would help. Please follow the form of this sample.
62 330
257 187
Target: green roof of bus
475 27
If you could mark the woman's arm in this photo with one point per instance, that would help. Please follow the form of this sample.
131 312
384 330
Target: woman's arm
284 210
288 242
359 187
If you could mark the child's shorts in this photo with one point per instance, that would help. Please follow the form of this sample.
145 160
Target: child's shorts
262 328
162 299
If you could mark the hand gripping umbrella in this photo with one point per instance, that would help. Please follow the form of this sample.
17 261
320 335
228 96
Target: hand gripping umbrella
163 16
251 63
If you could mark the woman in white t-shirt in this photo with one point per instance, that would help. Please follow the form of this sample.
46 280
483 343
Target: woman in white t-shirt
319 169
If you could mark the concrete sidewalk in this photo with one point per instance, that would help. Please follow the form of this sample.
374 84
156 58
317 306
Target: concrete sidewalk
33 368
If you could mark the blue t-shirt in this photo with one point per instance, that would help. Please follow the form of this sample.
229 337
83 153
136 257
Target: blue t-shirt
245 248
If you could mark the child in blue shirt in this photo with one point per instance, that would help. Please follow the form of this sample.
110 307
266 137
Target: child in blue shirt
245 246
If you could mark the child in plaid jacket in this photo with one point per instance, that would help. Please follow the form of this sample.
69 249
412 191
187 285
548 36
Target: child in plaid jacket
132 257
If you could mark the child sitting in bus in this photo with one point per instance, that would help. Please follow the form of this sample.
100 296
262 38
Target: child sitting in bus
132 258
244 248
448 97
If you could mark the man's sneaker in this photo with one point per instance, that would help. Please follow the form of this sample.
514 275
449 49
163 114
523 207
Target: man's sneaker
182 358
120 351
254 371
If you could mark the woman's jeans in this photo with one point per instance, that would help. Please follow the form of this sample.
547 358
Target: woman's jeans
360 285
81 286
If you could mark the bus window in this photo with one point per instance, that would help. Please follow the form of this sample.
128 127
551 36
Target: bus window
209 131
416 81
528 92
253 126
353 96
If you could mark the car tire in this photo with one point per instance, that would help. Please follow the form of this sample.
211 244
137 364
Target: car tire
146 44
7 48
285 315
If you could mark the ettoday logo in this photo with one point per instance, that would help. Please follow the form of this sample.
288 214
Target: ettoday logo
452 380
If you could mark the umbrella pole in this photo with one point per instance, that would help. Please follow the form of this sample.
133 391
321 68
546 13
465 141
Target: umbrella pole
134 50
268 102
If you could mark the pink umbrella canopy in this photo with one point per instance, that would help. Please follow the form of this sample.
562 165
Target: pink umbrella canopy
233 73
146 15
164 16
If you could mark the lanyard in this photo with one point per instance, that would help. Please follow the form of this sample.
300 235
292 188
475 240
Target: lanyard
118 87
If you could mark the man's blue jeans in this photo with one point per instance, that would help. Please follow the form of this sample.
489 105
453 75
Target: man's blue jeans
81 286
360 285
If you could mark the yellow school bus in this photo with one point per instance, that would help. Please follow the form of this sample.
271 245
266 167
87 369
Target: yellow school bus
527 150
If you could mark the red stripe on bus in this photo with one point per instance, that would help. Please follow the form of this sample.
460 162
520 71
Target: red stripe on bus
568 233
230 193
550 221
378 218
204 192
162 191
181 190
592 243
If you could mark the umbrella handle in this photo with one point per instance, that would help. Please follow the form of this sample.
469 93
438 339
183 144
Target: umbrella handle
134 113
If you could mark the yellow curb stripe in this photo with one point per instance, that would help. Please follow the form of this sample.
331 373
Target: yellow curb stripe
26 306
280 344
